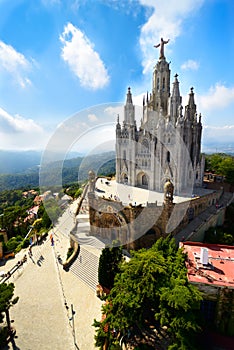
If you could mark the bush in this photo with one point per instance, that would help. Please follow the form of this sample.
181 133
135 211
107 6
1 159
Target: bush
3 335
78 193
13 243
70 251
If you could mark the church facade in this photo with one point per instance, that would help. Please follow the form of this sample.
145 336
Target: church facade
167 144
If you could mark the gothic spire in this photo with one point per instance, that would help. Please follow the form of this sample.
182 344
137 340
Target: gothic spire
191 102
176 99
191 108
129 96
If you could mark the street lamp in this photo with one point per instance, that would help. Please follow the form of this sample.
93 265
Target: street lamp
73 325
2 219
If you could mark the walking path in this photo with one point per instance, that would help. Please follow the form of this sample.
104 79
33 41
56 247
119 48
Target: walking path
47 294
199 220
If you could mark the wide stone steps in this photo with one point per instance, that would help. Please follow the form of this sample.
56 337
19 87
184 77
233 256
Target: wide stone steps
91 241
85 267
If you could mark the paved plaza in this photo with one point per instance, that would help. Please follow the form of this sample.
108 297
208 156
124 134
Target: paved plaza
135 195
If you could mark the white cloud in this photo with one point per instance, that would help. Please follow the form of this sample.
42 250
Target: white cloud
218 96
92 117
17 123
17 132
82 59
190 65
138 100
50 2
115 111
14 63
217 135
166 20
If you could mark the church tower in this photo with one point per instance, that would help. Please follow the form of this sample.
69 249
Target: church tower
161 87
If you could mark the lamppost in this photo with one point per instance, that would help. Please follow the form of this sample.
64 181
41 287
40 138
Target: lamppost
1 215
73 325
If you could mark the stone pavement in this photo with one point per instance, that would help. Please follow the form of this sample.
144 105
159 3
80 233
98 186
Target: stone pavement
47 293
136 195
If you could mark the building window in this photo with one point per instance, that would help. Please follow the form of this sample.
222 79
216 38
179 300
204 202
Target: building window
208 308
124 155
163 84
145 146
144 180
168 157
158 84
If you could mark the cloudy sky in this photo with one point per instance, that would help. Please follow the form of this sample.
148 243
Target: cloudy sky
59 57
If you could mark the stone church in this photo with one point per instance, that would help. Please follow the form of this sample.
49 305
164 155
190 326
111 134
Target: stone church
167 144
162 155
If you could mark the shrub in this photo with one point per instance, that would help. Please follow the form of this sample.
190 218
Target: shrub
69 253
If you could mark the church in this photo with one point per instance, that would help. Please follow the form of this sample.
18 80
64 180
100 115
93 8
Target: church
167 144
157 189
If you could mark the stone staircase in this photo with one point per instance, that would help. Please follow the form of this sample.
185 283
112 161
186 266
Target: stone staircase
91 241
82 235
85 267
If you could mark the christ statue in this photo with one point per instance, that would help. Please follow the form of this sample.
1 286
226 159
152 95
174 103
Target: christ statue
161 44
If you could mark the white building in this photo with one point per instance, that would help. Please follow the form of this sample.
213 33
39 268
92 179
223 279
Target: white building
167 144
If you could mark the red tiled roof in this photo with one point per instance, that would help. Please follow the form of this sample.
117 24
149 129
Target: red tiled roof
220 268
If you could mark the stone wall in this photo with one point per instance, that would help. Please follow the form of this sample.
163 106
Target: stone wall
141 226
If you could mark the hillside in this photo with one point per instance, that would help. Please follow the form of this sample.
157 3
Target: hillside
73 170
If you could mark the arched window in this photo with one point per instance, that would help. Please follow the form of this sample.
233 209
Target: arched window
145 146
168 157
163 84
144 180
124 155
158 84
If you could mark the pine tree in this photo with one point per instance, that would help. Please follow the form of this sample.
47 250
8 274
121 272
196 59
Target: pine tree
109 265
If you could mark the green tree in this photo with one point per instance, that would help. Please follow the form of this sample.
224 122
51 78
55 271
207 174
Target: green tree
222 164
6 302
226 168
109 265
152 290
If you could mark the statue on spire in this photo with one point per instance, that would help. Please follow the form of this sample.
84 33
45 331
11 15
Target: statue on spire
161 44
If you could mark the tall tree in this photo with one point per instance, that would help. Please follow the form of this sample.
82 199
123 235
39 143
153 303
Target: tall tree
6 302
152 290
109 265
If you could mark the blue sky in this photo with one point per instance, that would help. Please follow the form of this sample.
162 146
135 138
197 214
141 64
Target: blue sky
59 57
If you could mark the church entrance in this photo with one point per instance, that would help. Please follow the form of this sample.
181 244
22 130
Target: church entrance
142 180
124 178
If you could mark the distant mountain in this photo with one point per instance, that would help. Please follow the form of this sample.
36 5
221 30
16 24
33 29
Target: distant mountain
217 147
73 170
13 162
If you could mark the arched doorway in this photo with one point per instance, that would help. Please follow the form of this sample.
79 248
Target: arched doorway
142 180
124 178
